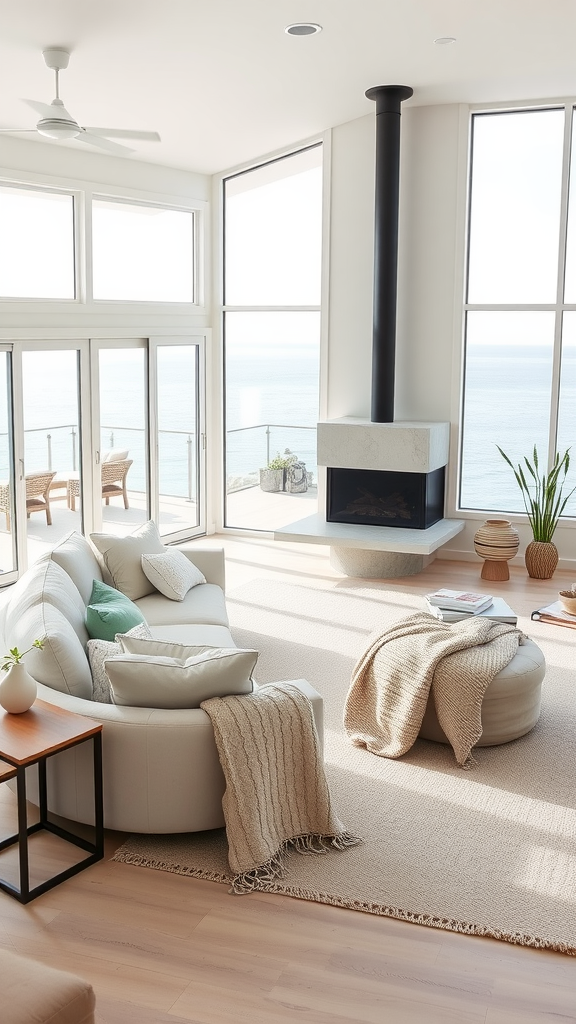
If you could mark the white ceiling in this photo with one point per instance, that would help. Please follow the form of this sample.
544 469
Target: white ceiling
223 83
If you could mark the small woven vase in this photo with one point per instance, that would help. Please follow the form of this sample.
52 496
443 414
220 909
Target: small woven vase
496 541
541 559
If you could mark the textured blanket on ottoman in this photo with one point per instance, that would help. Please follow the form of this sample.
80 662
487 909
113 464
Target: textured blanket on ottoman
277 796
392 680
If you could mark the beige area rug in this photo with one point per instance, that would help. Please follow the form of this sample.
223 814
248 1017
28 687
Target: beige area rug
491 851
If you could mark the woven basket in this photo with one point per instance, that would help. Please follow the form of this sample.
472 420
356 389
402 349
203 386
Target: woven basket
541 559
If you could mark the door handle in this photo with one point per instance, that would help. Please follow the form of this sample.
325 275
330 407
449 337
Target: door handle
21 461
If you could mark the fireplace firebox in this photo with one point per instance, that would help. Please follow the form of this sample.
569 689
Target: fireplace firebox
412 501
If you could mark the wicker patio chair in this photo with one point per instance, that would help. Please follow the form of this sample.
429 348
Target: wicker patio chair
113 475
37 496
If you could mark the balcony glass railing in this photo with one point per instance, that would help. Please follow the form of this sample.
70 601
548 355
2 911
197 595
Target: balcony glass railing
250 449
56 448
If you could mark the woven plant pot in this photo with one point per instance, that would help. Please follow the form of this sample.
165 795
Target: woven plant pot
541 559
496 541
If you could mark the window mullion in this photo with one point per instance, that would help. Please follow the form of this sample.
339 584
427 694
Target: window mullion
557 354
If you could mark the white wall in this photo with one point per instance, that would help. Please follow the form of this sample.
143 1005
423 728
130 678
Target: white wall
430 276
80 162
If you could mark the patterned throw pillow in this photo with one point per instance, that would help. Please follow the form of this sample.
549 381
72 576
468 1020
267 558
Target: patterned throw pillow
99 650
172 573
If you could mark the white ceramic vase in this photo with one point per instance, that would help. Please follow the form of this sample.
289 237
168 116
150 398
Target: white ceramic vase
18 690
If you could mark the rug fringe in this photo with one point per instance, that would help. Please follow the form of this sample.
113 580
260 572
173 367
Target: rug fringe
378 909
256 878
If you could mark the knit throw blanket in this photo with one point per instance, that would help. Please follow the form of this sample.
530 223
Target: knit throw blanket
277 796
392 681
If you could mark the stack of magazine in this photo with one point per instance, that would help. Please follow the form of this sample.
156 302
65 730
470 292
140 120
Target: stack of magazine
455 605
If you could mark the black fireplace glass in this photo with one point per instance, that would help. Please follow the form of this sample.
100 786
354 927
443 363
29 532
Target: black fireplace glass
374 497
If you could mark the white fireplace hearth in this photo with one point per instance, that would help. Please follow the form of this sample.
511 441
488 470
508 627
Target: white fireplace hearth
378 551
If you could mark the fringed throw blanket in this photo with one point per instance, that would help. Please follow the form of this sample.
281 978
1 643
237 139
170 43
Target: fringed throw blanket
276 796
392 681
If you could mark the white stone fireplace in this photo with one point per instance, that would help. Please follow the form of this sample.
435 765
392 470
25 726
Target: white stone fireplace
381 471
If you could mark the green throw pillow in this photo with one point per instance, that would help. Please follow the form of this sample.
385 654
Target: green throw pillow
110 612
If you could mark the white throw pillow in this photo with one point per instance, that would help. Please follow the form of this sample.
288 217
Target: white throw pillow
172 573
99 651
141 681
122 557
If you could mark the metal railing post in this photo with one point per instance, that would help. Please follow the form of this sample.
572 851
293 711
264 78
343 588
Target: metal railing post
267 444
49 444
73 433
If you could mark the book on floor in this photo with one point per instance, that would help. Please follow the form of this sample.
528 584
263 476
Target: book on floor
555 613
498 610
459 600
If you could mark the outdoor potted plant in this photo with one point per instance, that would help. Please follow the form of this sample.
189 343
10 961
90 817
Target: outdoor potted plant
273 477
544 504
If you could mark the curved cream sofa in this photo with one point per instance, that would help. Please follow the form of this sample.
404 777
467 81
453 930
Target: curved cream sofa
161 768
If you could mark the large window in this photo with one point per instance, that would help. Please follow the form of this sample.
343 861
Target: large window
520 331
272 270
142 252
36 244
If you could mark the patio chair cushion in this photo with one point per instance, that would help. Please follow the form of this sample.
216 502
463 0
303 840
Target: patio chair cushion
172 573
122 557
115 455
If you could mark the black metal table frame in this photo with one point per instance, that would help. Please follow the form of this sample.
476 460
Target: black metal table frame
96 849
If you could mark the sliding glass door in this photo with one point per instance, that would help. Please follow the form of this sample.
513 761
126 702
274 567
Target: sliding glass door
179 436
99 435
8 551
147 415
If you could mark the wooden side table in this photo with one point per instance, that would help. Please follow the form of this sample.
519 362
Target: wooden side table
29 739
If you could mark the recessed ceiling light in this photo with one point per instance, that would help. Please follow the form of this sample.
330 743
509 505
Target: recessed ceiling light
445 40
303 28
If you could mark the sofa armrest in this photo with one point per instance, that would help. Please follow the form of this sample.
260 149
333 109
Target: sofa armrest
210 561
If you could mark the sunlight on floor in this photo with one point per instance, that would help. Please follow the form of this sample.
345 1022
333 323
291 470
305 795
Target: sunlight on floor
549 872
549 818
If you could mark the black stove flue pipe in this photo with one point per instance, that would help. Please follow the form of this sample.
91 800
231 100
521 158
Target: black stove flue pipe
388 100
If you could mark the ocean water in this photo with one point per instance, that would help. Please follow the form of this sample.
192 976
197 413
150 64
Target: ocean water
508 404
272 404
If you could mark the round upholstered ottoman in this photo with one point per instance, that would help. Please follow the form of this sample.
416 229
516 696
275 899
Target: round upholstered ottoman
511 705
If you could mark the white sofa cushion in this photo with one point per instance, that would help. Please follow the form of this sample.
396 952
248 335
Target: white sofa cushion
46 603
204 603
74 554
140 680
195 636
171 573
122 557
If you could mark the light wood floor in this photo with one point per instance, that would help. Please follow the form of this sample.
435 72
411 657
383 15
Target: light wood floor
165 949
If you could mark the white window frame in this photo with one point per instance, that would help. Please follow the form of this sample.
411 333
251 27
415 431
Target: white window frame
218 423
462 306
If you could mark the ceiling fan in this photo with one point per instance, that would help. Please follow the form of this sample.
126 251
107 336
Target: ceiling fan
56 123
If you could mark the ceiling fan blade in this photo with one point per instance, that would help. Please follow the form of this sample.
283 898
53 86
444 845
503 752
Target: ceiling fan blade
44 109
95 140
124 133
17 129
